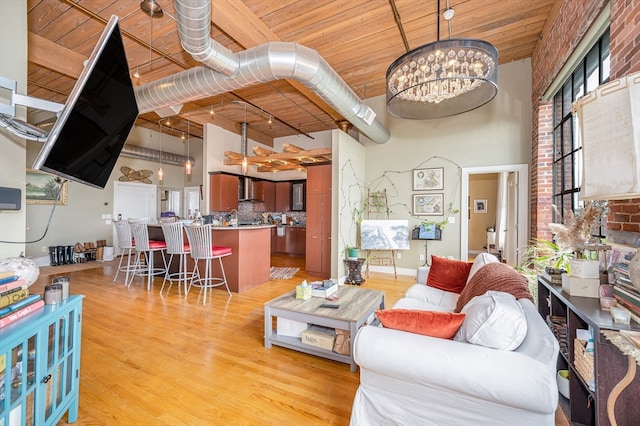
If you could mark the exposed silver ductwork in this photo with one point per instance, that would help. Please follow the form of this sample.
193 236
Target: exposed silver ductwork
134 151
231 71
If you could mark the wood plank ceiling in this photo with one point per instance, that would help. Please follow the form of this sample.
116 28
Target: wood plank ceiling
358 38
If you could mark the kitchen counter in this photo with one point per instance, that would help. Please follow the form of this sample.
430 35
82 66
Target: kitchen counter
250 261
233 228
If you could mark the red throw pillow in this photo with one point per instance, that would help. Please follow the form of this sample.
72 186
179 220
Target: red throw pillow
447 274
496 277
444 325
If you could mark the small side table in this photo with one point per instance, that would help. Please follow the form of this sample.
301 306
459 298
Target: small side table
355 271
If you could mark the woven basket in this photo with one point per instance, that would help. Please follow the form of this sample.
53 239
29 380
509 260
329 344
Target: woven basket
583 360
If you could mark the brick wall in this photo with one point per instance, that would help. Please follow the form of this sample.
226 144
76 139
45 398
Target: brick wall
563 32
625 37
625 59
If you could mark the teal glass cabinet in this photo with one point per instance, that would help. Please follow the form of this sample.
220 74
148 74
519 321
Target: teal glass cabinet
40 365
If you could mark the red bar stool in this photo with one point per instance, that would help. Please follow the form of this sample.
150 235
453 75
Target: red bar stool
126 243
202 248
176 245
147 247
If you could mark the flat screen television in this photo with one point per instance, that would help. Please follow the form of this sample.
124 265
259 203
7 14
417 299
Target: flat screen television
86 140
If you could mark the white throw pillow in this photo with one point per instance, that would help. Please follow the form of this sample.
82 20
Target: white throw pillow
495 320
481 260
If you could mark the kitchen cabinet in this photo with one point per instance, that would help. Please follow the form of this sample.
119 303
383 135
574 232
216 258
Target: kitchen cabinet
40 365
297 196
265 194
283 196
318 231
223 192
588 406
292 242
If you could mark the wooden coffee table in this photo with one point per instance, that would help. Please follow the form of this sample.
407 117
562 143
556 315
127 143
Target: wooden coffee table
356 306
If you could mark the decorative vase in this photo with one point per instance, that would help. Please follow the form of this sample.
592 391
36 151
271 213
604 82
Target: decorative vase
634 271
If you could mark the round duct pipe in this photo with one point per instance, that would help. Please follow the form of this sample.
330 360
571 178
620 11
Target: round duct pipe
134 151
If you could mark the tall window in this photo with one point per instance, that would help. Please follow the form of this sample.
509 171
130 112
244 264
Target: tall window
591 72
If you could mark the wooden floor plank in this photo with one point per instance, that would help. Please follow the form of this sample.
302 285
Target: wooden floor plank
153 359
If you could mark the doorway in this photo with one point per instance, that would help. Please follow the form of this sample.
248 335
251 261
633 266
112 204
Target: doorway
512 213
133 200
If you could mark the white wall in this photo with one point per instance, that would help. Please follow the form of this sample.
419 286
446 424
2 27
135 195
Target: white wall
13 65
347 190
495 134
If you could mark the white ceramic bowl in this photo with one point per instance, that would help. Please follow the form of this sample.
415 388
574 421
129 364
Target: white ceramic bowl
187 222
563 382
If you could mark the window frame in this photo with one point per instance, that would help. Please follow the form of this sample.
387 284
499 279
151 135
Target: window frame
567 147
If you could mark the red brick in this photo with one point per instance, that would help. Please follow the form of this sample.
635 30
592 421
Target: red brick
614 226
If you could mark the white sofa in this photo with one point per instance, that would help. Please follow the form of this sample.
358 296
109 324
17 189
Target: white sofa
413 379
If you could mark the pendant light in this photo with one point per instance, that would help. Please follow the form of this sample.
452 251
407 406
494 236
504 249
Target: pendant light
245 165
442 78
160 171
187 164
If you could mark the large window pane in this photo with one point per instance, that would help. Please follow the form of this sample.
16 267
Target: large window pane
567 139
578 85
557 109
566 99
557 143
593 69
605 57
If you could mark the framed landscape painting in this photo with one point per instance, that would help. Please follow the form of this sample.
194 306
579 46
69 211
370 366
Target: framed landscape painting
42 188
428 179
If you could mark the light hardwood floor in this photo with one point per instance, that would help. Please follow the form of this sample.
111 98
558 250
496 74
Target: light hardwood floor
151 359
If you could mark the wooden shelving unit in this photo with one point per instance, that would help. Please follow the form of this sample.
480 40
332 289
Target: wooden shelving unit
588 406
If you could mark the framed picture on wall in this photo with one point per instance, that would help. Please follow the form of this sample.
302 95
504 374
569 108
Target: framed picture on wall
42 188
428 179
479 206
428 204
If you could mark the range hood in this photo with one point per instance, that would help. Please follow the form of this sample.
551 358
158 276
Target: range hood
245 189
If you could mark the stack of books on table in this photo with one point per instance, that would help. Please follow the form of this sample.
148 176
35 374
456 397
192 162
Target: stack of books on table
323 288
15 300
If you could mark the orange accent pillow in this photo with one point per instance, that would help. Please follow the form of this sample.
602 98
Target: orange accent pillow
444 325
448 274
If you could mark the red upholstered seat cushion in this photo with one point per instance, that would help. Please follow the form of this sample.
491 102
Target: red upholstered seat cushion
448 275
444 325
497 277
157 245
186 248
220 250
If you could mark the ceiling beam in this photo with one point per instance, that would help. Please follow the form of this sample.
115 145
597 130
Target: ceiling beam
240 23
51 55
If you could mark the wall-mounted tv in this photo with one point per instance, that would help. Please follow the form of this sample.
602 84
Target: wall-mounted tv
86 140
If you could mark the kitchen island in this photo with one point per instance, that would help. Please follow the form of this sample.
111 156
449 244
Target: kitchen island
250 261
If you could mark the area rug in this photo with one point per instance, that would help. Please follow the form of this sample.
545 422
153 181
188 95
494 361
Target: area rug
280 273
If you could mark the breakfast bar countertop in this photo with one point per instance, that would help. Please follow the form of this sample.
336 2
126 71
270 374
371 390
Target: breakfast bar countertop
241 227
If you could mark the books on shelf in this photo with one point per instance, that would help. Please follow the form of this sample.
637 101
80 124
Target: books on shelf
13 297
36 304
629 298
8 278
5 288
19 304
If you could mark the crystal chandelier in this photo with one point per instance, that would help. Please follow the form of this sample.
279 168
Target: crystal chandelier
442 78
